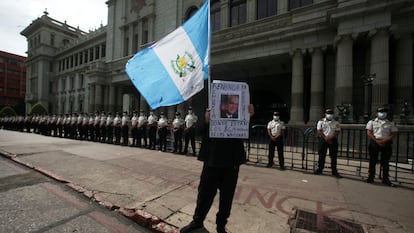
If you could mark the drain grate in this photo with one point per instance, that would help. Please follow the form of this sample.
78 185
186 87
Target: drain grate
311 222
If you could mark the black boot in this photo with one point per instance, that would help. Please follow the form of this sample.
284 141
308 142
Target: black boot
191 227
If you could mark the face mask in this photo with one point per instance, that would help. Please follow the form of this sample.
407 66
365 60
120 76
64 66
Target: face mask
329 117
190 111
177 117
382 115
162 116
151 113
276 118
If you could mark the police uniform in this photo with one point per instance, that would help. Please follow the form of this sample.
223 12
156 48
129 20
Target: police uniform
162 132
328 129
142 128
110 128
134 129
152 131
275 131
96 129
189 131
102 126
178 129
117 128
125 129
380 131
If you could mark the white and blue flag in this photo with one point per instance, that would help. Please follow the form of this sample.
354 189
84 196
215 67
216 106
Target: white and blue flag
173 69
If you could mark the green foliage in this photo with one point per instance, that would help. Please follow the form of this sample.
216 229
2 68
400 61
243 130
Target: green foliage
38 109
7 111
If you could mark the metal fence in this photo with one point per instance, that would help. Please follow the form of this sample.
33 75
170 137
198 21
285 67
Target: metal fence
301 151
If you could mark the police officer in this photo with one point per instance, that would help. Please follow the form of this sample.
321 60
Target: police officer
134 129
102 126
162 132
96 128
91 129
142 128
381 132
328 130
189 130
125 121
117 128
275 130
152 131
110 128
178 129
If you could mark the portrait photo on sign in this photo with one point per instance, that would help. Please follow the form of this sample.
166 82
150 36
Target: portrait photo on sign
229 106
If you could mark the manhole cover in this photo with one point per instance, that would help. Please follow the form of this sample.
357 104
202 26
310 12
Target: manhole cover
305 221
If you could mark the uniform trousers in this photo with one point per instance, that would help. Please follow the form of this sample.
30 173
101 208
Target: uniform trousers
333 153
279 145
212 178
374 150
178 140
152 134
189 137
142 135
162 134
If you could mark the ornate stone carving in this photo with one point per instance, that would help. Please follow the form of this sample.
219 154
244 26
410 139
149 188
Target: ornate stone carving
137 5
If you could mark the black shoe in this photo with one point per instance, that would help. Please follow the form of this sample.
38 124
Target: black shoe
370 180
221 229
191 227
388 183
317 172
282 168
336 174
269 165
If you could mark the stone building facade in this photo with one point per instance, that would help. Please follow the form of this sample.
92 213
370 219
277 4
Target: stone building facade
298 56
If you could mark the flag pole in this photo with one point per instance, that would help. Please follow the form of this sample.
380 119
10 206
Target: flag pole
209 57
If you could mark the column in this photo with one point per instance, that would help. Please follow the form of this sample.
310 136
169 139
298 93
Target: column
380 67
251 8
67 95
92 106
344 74
316 101
143 104
98 97
111 100
282 6
296 109
403 73
76 93
224 14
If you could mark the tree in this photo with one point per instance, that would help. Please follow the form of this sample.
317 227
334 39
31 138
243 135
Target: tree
7 111
38 109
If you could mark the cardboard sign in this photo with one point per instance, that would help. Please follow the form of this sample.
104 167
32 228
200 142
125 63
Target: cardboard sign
229 116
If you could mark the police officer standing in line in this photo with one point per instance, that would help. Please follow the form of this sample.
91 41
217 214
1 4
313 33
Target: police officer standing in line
275 130
381 132
178 129
85 123
152 131
102 126
125 121
142 128
73 126
162 132
96 129
91 130
328 130
189 130
117 128
110 128
79 121
134 129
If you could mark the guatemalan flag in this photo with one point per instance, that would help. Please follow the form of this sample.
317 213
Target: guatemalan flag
173 69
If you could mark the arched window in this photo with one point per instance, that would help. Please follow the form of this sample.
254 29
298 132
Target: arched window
299 3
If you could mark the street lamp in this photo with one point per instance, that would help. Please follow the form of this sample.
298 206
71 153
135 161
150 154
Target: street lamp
344 112
368 79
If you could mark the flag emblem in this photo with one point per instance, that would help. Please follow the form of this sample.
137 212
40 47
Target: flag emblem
183 64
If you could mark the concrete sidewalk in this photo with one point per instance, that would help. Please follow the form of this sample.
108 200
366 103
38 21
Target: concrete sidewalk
164 185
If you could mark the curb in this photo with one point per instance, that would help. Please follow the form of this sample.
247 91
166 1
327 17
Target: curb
139 216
